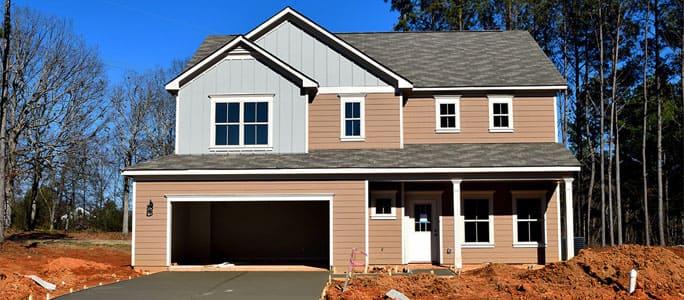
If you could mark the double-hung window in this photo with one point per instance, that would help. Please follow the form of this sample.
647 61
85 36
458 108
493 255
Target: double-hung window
528 219
241 122
447 112
500 113
352 125
478 219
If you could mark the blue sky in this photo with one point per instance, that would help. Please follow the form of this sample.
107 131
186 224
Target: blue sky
141 34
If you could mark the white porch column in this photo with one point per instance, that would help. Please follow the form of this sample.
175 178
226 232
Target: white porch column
458 260
569 219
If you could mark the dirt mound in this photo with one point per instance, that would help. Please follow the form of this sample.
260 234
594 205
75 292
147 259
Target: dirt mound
660 271
68 263
593 274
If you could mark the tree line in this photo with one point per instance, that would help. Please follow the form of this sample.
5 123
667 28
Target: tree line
623 112
66 131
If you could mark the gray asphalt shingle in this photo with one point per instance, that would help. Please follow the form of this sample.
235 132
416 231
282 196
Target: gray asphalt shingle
412 156
446 59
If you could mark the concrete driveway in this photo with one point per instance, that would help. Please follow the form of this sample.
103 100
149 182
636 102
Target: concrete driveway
212 285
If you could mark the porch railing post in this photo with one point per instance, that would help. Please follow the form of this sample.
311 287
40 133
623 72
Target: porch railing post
569 231
458 260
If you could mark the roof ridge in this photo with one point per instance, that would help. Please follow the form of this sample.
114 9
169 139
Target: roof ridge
427 32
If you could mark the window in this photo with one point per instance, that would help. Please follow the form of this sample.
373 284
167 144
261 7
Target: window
241 122
352 125
447 112
383 205
478 219
529 219
500 113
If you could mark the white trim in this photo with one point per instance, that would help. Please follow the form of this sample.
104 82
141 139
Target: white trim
365 222
306 125
175 147
353 98
248 198
441 236
458 259
168 231
403 216
133 225
559 240
456 101
478 195
491 88
401 121
354 89
569 219
241 100
541 196
401 82
555 119
385 194
189 172
174 84
241 56
500 99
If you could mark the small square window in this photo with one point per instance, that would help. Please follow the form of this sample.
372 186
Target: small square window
500 113
383 205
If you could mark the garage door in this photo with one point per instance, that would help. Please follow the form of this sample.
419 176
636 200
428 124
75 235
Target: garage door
250 233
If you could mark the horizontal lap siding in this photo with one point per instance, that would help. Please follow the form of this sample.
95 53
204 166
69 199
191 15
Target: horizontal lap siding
504 252
348 211
533 121
384 240
382 123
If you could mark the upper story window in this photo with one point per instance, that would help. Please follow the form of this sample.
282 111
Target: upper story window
447 114
241 122
528 219
478 219
500 113
352 125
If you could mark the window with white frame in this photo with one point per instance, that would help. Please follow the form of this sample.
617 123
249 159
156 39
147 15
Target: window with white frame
241 122
352 125
447 113
383 205
500 113
478 219
529 219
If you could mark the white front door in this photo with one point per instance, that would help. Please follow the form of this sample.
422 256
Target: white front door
421 231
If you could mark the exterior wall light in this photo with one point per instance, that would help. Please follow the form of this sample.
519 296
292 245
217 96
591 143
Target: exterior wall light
150 209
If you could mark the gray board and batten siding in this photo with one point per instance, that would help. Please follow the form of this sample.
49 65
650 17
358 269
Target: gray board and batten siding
315 59
234 77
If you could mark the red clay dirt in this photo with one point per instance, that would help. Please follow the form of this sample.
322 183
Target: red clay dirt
594 273
68 266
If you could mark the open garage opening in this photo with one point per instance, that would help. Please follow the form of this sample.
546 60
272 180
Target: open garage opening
250 233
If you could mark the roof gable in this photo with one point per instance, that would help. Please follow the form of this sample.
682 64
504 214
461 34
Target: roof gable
257 52
331 40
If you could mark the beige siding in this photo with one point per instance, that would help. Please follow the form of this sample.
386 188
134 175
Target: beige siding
382 123
533 121
384 240
504 252
150 232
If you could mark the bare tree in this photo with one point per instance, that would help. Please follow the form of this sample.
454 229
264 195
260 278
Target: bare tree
644 136
659 104
4 202
602 129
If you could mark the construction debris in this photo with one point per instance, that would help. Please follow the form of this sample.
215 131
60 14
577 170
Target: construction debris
396 295
43 283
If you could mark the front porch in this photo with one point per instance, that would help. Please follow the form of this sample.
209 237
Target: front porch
510 221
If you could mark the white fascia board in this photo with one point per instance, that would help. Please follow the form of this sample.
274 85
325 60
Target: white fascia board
401 82
348 171
306 81
355 89
493 88
250 197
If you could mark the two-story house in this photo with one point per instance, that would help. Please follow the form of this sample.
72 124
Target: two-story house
295 145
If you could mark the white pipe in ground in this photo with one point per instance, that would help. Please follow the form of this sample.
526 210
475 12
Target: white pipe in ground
632 280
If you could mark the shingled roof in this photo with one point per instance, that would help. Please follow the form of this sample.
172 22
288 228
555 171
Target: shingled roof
412 156
446 59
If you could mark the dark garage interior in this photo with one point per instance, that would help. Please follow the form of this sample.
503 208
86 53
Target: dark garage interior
250 233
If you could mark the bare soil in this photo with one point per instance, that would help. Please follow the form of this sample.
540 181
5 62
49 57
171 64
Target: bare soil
71 261
595 273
